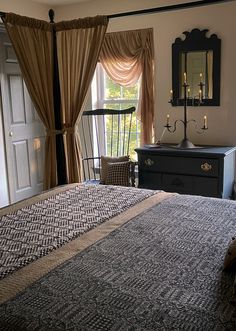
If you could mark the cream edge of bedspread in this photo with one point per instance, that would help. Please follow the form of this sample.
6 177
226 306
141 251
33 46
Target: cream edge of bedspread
22 278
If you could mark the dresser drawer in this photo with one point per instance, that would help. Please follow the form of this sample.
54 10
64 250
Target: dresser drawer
172 164
190 185
208 187
150 180
177 183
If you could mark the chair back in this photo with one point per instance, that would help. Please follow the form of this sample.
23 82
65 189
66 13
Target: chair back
104 132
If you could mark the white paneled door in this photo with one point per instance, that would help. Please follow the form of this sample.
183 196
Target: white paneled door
24 132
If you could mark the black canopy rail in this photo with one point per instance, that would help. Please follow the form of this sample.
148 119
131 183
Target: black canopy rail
154 10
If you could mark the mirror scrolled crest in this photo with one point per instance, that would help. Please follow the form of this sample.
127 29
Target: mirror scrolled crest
199 57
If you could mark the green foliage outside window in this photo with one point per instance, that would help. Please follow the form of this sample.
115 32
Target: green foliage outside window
116 92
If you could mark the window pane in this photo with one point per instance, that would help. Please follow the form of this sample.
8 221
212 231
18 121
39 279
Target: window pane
112 90
134 143
130 92
112 106
115 91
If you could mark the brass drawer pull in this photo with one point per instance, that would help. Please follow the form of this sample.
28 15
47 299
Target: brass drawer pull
206 167
149 162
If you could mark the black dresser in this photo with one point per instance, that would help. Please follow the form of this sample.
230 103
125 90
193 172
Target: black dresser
207 171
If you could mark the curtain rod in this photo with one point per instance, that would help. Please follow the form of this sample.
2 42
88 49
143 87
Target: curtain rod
169 8
183 5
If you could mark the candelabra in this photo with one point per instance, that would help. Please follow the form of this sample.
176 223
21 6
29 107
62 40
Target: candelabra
186 143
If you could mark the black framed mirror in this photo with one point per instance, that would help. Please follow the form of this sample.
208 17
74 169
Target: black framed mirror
196 60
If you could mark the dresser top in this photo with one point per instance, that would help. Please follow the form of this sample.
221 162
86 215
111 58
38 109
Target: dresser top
205 151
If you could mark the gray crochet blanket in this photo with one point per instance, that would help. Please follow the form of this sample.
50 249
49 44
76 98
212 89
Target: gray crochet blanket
160 271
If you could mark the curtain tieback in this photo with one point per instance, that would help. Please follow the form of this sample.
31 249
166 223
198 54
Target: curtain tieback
53 132
69 130
64 131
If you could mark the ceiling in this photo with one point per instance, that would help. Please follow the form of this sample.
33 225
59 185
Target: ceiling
59 2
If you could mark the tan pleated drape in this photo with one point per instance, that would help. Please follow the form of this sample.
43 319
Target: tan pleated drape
126 56
32 42
78 44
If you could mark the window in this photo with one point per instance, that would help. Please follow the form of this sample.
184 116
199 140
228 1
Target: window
107 94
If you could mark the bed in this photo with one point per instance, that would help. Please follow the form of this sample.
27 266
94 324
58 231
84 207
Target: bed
100 257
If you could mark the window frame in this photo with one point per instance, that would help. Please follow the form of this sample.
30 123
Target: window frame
98 93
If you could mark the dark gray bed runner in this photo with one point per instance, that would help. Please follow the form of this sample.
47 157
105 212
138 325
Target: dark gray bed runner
160 271
37 229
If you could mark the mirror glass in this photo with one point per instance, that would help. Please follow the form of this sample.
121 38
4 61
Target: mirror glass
198 68
196 59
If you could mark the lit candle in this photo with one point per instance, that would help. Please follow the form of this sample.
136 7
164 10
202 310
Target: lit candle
171 95
185 78
188 92
200 77
205 121
167 119
200 95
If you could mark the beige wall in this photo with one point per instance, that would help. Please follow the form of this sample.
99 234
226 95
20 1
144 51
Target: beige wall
25 7
219 19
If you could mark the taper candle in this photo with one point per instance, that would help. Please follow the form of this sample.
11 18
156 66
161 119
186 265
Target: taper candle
200 95
167 119
188 92
185 78
200 77
205 121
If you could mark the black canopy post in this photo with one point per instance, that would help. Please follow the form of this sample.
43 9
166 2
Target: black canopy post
60 151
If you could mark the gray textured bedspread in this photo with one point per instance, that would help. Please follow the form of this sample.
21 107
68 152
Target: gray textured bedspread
160 271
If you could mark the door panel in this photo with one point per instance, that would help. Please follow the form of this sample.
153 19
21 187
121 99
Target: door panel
22 164
24 131
17 109
10 54
39 149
